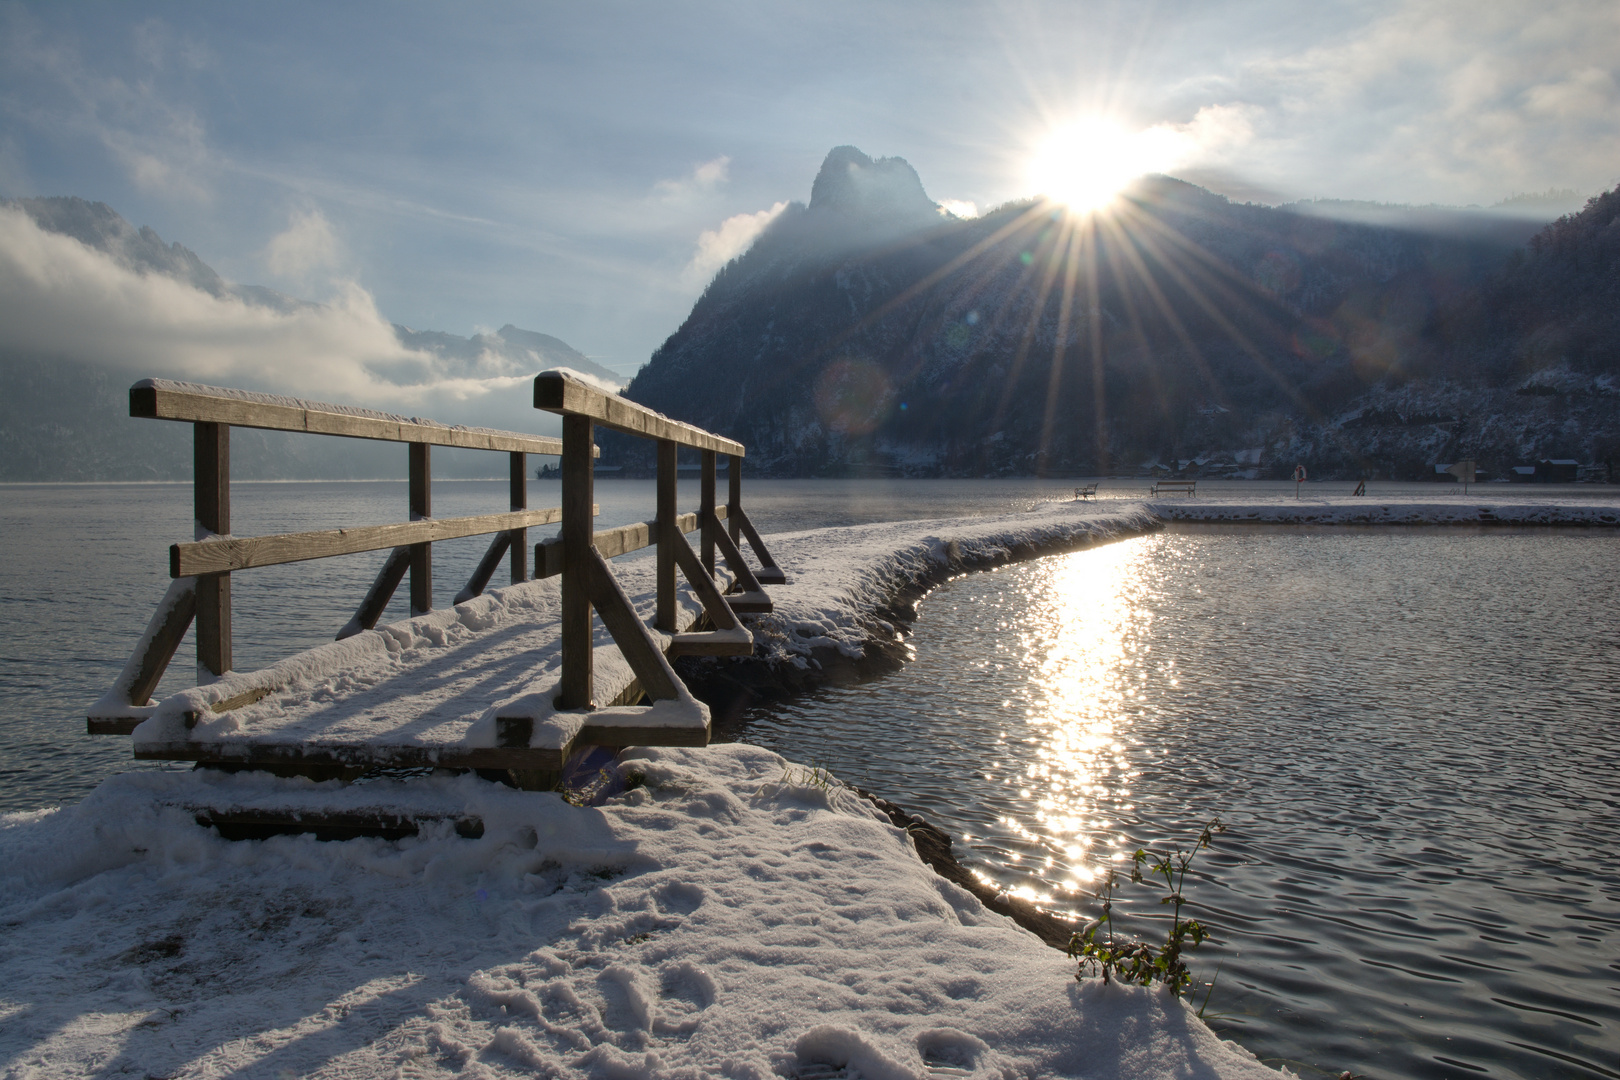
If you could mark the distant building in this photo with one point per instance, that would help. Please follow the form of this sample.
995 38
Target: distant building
1557 470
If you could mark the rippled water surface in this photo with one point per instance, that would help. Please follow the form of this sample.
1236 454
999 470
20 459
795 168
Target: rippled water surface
1412 734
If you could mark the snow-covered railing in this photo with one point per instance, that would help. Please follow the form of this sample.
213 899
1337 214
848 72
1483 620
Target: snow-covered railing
202 569
522 728
580 555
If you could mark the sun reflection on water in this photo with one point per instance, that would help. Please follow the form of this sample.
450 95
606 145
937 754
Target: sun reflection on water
1087 637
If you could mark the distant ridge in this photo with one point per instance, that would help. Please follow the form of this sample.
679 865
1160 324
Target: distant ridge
62 418
868 334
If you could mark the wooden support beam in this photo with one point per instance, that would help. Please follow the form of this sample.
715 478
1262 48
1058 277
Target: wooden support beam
548 554
216 556
381 591
576 690
769 573
668 535
211 484
706 509
555 391
750 603
714 531
518 539
162 399
712 643
299 756
145 668
714 605
485 569
421 493
630 634
734 497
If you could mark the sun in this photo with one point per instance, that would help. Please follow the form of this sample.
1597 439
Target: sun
1085 163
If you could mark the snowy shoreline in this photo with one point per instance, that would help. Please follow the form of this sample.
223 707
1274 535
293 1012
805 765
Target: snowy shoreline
734 915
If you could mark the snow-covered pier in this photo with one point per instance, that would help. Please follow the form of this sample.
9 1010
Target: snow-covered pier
360 702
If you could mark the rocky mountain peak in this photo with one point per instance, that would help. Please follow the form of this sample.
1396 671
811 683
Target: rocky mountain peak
854 185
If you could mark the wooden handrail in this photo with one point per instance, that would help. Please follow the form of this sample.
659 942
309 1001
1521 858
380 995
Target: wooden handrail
561 392
203 568
163 399
224 555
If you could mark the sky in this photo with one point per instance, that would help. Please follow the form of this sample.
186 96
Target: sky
583 169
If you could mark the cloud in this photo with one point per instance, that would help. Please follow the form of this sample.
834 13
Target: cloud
161 146
1441 100
61 299
959 208
306 246
716 247
703 179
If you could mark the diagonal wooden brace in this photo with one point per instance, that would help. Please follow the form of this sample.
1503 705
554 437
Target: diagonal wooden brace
769 573
486 567
630 634
381 591
713 530
714 605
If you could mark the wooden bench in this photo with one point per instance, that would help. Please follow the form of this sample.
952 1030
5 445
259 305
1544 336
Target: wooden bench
1184 487
1087 492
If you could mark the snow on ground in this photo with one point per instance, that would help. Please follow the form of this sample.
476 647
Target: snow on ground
732 917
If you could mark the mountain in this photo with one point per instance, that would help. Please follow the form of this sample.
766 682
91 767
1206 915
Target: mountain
508 351
66 417
868 332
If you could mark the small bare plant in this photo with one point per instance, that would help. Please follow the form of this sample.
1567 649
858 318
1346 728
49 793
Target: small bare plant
1138 961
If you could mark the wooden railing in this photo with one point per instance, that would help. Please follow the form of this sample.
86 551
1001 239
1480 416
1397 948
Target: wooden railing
202 569
580 555
201 590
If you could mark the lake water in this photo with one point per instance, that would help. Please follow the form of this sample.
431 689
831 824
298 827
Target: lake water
1411 733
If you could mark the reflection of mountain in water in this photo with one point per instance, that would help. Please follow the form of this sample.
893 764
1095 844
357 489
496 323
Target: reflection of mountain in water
868 331
67 420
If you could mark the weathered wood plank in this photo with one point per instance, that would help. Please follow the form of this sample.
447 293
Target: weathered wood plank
518 539
668 533
211 485
358 754
714 605
548 554
577 687
630 634
485 569
216 556
706 510
381 591
557 392
612 735
734 497
712 529
712 643
750 603
160 399
421 496
769 573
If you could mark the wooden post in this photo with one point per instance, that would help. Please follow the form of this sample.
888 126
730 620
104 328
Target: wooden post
577 498
520 501
421 508
706 509
668 535
211 480
734 502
